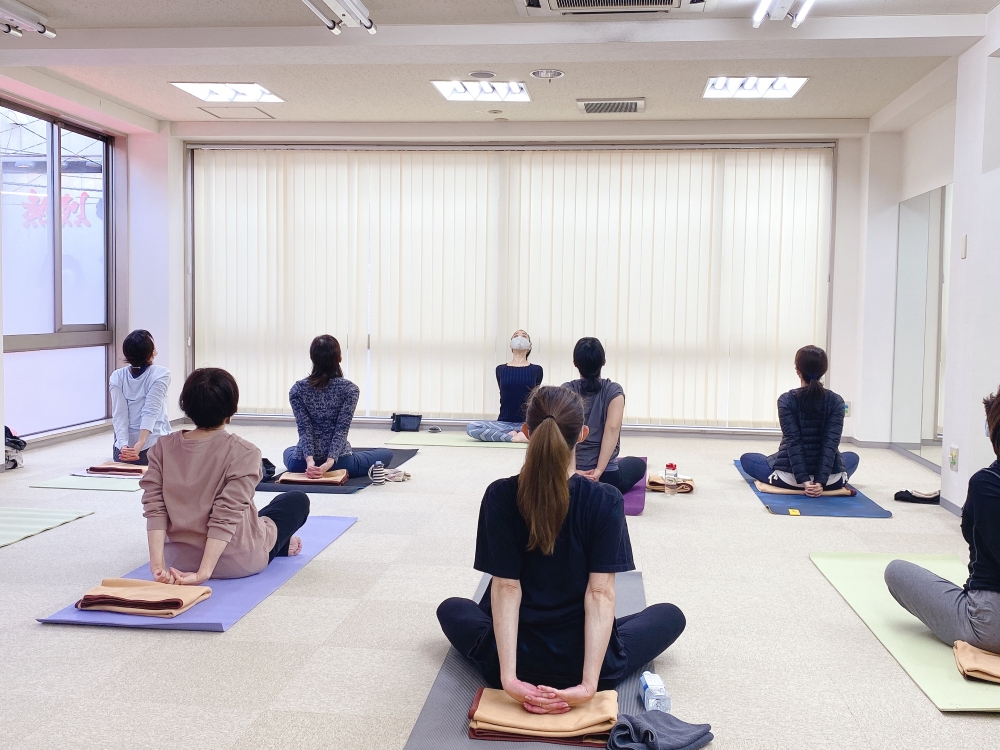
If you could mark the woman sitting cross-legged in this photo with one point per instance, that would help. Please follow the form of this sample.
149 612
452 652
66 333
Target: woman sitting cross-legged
812 424
545 631
969 613
603 409
323 405
198 495
138 400
516 379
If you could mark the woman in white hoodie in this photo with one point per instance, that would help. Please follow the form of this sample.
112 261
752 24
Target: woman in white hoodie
138 400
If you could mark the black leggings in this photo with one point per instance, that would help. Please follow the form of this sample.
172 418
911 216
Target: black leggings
289 512
630 470
645 635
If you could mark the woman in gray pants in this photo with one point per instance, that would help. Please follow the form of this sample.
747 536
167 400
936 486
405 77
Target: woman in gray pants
970 613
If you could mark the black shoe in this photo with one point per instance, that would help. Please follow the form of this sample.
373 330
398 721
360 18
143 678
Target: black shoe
923 498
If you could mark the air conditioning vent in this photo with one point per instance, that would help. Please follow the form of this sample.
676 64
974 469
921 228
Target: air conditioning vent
611 106
574 7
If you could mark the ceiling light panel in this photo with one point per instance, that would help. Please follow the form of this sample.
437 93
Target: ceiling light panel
482 91
753 87
230 92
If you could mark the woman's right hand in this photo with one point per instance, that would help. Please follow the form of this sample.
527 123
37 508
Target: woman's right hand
161 574
531 698
813 489
128 455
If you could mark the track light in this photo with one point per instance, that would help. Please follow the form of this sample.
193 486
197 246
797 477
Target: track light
803 12
761 13
330 24
352 13
22 18
6 28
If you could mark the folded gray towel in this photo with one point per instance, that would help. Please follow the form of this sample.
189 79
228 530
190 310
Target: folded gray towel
656 730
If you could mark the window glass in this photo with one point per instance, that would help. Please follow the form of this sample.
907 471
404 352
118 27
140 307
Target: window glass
84 274
28 273
55 388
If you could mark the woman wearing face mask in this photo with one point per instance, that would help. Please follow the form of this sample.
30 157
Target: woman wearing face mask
517 379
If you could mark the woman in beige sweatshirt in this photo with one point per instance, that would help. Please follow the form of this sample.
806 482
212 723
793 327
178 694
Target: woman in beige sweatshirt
201 521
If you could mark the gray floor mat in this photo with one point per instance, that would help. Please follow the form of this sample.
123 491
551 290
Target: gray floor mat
443 723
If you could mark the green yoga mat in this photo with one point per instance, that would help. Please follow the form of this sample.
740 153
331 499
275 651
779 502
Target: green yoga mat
19 523
858 577
107 484
452 439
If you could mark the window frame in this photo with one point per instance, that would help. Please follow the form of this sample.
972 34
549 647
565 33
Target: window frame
73 335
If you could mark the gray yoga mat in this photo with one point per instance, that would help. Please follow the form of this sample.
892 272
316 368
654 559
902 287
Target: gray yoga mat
443 723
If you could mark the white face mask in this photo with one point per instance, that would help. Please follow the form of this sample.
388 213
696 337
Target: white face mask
520 343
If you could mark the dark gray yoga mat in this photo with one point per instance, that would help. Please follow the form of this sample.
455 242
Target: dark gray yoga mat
399 457
443 723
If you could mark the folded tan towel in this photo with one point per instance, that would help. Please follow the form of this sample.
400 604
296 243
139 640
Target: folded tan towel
337 477
682 485
770 489
117 467
496 716
976 663
148 598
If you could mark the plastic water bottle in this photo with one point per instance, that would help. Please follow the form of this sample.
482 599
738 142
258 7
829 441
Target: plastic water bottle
377 473
654 693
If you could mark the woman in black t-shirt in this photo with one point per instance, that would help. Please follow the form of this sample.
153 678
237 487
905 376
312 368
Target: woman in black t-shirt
545 631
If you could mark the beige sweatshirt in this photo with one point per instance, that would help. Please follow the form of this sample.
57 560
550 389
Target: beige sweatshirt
200 489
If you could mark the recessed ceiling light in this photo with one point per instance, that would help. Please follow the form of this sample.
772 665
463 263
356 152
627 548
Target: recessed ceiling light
548 73
496 111
482 91
229 92
481 74
753 87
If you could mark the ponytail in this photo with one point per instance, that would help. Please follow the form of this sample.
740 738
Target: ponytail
555 419
812 364
589 359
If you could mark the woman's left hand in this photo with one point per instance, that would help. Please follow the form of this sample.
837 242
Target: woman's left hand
813 489
188 579
591 474
564 700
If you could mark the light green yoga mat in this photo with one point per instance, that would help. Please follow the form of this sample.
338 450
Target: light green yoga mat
858 577
107 484
452 439
19 523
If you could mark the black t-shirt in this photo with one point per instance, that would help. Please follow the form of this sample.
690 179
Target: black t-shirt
981 529
593 539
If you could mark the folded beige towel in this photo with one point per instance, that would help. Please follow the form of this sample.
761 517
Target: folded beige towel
337 477
148 598
118 468
496 716
976 663
682 485
770 489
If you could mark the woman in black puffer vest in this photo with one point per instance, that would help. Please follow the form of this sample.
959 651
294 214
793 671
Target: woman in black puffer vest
812 422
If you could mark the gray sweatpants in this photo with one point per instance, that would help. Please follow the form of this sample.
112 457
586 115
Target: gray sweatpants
951 612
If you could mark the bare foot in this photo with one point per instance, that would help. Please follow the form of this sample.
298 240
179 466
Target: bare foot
294 546
518 437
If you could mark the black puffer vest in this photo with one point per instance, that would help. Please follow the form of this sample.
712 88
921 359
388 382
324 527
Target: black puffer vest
810 440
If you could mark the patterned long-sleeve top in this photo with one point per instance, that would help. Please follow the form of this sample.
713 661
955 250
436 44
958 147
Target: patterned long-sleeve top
323 418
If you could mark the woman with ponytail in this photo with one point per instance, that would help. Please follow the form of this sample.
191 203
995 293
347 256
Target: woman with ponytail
603 411
545 631
812 423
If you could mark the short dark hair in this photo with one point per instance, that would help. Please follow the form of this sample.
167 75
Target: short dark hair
992 405
325 355
138 347
589 359
209 397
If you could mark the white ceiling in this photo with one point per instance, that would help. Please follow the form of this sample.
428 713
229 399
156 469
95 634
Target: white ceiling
846 88
90 14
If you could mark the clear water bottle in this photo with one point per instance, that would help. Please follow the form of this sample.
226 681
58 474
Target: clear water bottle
654 693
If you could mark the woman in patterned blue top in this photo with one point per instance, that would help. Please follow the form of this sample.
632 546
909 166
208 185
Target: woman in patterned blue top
323 405
517 379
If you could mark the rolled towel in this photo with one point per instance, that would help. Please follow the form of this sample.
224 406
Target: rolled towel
657 730
977 663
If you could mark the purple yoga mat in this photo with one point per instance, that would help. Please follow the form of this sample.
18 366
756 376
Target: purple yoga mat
231 598
635 498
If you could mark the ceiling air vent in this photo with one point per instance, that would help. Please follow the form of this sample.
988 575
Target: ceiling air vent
611 106
572 7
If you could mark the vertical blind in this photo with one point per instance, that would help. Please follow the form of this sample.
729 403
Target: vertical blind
701 271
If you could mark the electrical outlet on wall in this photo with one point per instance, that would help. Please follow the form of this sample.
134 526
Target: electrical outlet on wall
953 458
847 409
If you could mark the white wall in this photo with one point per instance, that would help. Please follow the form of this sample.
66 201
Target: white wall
929 153
156 249
973 366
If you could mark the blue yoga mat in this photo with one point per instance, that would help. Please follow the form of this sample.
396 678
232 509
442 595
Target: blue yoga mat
231 598
840 506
